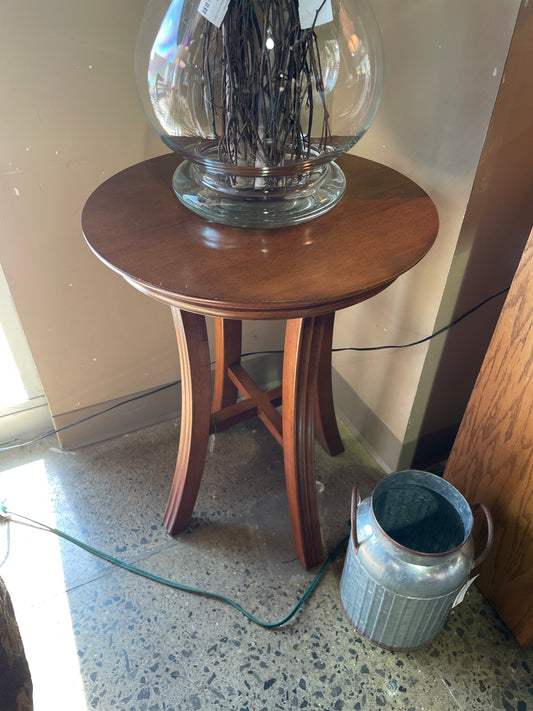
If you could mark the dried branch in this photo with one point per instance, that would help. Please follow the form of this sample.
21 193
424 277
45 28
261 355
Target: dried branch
263 106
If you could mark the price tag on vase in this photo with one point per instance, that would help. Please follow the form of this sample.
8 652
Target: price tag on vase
312 12
213 10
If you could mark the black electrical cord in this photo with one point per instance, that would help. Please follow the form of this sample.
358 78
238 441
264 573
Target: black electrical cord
16 445
5 448
433 335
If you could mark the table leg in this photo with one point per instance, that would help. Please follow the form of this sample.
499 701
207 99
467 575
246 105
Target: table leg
303 340
194 357
228 338
325 421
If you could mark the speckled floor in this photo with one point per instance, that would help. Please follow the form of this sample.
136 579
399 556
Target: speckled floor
100 637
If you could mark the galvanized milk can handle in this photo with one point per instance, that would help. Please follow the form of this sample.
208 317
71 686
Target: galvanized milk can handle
490 535
356 500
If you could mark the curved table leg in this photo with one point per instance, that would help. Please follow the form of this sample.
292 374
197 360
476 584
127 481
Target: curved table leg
303 340
325 421
194 357
228 338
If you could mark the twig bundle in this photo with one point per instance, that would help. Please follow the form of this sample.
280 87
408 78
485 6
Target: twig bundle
261 75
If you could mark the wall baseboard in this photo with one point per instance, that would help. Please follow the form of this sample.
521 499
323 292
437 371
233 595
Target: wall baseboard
25 422
364 424
114 418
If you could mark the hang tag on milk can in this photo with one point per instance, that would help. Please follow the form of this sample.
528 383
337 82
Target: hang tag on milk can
213 10
462 592
314 13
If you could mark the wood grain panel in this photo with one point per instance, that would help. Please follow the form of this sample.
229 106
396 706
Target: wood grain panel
492 457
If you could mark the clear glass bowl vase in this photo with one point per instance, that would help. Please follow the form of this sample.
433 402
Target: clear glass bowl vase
259 97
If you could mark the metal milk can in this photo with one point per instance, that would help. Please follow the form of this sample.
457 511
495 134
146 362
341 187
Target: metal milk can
409 559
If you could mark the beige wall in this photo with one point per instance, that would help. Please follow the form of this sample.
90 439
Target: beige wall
496 226
444 66
71 118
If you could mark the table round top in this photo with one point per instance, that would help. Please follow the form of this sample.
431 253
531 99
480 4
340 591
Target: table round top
382 227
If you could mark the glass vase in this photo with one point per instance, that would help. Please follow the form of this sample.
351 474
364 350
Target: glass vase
259 97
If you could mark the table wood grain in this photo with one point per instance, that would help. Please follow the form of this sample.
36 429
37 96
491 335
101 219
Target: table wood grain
382 227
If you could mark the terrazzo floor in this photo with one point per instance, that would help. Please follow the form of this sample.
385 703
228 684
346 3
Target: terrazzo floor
100 637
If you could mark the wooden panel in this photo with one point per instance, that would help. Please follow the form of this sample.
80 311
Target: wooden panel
492 457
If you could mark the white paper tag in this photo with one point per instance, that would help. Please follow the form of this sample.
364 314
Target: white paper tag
213 10
462 592
308 13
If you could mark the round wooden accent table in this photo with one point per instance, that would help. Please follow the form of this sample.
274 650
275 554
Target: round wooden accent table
381 228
